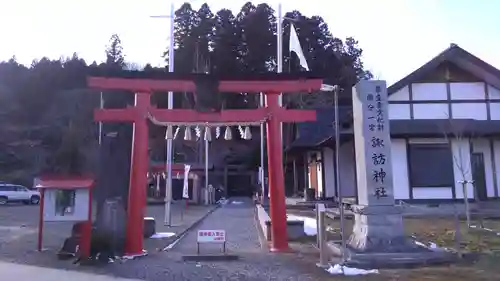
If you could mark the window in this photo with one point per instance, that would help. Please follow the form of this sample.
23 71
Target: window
7 188
430 165
19 188
65 202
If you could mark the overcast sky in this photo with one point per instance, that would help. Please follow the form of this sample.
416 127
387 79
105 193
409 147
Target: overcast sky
397 36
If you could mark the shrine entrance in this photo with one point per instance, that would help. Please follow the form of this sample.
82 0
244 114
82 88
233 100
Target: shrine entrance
207 113
240 186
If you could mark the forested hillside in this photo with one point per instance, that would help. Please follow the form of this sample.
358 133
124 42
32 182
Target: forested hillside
46 119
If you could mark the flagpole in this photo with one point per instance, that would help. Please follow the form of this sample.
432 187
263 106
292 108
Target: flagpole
336 91
170 105
279 38
279 61
262 147
101 106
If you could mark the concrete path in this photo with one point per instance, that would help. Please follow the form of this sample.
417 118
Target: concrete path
17 272
182 219
237 219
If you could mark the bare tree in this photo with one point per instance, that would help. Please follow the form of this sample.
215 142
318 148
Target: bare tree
456 130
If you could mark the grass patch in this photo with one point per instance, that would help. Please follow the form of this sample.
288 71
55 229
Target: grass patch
441 231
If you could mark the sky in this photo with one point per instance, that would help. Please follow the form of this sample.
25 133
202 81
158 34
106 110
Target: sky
397 36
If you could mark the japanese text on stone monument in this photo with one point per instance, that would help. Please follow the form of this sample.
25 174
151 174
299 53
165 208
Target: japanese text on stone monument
376 125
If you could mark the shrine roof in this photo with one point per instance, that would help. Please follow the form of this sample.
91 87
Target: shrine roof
321 132
163 74
63 182
460 58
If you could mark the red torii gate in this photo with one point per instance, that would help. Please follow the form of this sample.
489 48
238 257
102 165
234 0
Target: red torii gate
272 114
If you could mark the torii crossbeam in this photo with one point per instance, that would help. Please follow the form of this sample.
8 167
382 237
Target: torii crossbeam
272 115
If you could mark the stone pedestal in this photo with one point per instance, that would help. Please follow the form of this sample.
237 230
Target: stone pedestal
378 241
380 229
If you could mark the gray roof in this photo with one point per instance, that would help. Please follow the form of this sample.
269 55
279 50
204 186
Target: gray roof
315 133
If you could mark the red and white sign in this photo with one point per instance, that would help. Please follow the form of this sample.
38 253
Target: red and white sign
211 236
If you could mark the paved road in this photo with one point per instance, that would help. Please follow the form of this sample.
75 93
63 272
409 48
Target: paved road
17 272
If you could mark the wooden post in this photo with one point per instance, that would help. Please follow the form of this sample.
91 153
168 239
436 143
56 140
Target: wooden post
295 178
138 180
225 182
276 181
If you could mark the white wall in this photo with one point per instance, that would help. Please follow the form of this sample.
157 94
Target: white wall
401 95
462 167
431 111
438 107
496 152
429 91
399 111
347 169
467 91
400 169
475 111
329 170
493 94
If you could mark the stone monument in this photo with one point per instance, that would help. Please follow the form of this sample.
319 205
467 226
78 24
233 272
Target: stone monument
378 236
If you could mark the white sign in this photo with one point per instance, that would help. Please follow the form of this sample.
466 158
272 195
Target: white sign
185 189
211 236
66 205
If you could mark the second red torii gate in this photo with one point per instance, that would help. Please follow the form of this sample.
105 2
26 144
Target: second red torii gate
273 114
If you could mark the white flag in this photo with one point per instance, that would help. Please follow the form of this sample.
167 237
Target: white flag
296 48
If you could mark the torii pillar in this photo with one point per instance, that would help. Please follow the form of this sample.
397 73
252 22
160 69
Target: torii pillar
273 115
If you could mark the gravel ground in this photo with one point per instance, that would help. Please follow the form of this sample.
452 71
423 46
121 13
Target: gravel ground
236 219
19 233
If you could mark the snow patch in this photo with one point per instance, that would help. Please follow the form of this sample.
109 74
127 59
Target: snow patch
349 271
159 235
310 227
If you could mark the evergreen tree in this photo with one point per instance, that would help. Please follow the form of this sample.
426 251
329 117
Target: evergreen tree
114 52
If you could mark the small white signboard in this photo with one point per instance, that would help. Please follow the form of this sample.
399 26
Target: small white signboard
211 236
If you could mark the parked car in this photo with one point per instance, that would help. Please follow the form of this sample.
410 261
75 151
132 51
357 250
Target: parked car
18 193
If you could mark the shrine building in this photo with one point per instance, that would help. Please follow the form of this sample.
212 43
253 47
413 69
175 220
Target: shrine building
445 128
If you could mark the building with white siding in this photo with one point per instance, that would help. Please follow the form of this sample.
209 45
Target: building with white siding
445 128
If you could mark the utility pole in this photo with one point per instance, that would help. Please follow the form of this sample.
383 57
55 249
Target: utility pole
170 105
